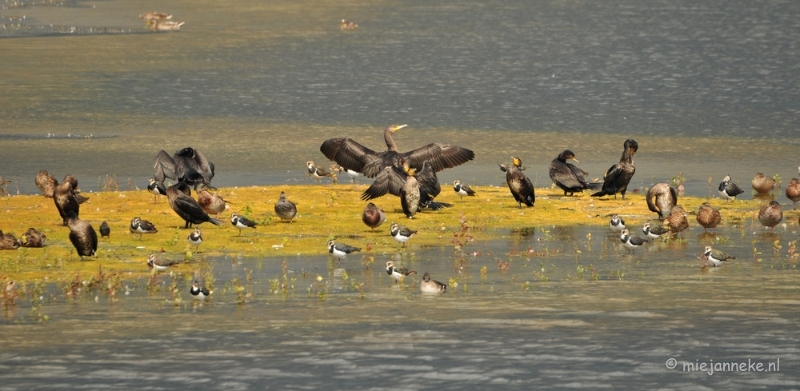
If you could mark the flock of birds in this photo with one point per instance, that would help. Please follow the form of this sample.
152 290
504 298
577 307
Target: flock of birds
411 176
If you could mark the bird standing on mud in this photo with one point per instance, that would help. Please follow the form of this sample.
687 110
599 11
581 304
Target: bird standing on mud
728 189
770 215
462 189
708 217
82 236
285 209
618 177
186 207
373 216
661 198
519 184
567 176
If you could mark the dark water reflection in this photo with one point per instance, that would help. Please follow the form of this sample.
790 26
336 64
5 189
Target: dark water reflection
566 311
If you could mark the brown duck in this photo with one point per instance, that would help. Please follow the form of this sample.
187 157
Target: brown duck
793 191
770 215
661 198
8 242
677 221
708 217
373 216
763 184
33 238
211 203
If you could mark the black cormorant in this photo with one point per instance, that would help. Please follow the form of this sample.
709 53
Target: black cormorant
567 176
519 184
617 178
186 207
187 165
82 236
65 201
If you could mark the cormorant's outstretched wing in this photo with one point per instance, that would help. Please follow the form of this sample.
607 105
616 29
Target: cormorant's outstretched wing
439 156
189 162
390 180
164 167
202 165
428 182
351 155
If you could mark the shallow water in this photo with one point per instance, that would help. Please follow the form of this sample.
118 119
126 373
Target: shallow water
706 89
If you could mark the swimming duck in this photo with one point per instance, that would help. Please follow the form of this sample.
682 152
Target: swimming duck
186 207
770 215
164 25
316 172
763 184
661 198
157 189
105 230
567 176
617 178
431 286
46 183
33 238
353 156
728 189
212 203
373 216
8 242
462 189
242 222
708 217
285 209
82 236
519 184
677 221
398 273
401 233
141 227
716 257
793 191
347 25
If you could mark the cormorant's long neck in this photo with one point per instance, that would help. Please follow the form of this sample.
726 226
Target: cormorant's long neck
626 155
387 136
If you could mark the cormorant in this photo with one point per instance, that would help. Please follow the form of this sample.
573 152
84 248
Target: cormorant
462 189
728 189
105 230
398 273
82 236
373 216
431 286
567 176
519 184
33 238
415 189
353 156
708 217
763 184
46 183
661 198
65 200
285 209
770 215
617 178
186 207
186 165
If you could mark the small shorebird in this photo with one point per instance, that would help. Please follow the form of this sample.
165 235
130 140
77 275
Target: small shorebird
285 209
373 216
728 189
631 242
139 226
199 293
616 223
398 273
353 174
316 172
105 230
716 257
241 222
462 189
160 265
157 189
708 217
763 184
431 286
793 191
401 233
770 215
340 250
196 238
653 232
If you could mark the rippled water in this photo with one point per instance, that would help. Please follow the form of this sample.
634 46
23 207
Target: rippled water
706 89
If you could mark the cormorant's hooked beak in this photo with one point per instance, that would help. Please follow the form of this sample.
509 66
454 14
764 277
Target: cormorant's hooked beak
398 127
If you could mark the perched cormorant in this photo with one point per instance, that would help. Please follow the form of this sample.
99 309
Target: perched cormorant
398 273
105 230
373 216
793 191
519 184
186 207
317 172
82 236
33 238
708 217
241 222
65 201
431 286
631 242
156 189
212 203
353 156
187 165
401 233
763 184
617 178
770 215
340 250
285 209
139 226
661 198
728 189
677 220
46 183
716 257
567 176
196 238
199 293
8 242
462 189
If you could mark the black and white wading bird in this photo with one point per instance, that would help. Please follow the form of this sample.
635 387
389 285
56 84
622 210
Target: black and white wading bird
196 238
157 189
728 189
617 224
139 226
340 250
241 222
401 233
462 189
716 257
631 242
398 273
198 292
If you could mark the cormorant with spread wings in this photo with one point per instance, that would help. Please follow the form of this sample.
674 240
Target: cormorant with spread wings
187 165
412 187
353 156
